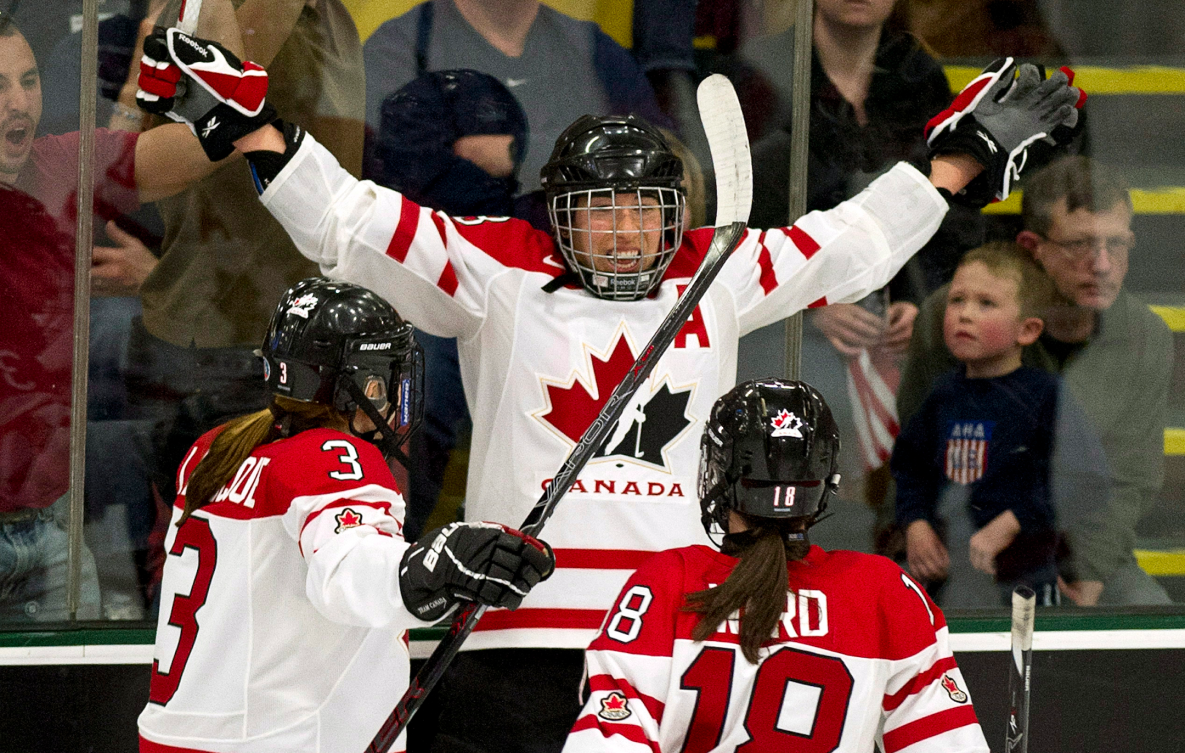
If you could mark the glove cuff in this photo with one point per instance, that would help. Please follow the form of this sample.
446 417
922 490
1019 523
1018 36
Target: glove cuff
219 129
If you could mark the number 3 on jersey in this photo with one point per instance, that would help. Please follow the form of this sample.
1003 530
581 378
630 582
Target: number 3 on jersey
194 534
348 458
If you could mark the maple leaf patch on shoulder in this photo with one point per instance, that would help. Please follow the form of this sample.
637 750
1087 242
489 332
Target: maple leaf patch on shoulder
952 689
347 518
614 707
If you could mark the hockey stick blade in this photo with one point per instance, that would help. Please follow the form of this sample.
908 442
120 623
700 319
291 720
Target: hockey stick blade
725 127
187 20
729 144
1024 603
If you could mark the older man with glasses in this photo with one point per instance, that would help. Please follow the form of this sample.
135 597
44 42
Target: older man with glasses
1114 355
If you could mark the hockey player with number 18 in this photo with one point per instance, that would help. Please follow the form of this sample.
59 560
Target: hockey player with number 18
547 326
768 643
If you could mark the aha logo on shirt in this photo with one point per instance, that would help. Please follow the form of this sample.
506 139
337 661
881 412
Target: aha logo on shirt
347 518
614 708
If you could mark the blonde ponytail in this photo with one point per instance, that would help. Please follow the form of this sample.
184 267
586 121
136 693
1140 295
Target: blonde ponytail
239 438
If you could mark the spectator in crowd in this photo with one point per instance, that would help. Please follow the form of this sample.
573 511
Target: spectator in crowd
130 168
982 442
985 28
873 88
36 305
559 68
452 141
1113 354
225 262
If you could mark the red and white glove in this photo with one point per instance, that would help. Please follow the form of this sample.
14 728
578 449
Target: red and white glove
204 85
998 116
484 562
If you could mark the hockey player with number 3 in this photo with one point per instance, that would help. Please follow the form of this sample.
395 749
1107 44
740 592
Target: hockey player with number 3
765 642
288 588
547 325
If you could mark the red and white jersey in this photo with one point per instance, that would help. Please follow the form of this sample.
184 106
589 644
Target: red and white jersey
281 625
862 656
538 366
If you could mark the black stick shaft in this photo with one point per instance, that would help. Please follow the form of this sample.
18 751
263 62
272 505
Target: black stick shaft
1020 667
724 240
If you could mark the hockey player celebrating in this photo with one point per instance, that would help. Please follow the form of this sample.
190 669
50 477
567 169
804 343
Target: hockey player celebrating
548 325
762 643
288 587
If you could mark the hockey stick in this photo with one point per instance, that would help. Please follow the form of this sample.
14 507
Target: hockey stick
187 19
725 126
1024 603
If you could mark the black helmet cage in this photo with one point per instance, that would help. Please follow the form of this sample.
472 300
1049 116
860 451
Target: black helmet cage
341 345
770 450
603 171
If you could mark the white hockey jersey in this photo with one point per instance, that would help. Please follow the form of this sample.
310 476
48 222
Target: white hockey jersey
281 626
862 656
538 366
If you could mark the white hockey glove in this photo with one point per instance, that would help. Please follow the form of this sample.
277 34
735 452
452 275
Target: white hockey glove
205 86
997 117
483 562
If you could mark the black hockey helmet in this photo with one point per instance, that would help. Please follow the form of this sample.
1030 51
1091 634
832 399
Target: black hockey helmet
770 450
339 344
607 156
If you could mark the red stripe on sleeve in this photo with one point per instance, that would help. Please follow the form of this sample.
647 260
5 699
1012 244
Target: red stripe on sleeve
769 280
806 245
573 619
448 278
405 231
628 731
820 303
608 683
920 682
927 727
601 559
439 222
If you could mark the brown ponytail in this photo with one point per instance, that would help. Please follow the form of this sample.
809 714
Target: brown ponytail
239 438
757 585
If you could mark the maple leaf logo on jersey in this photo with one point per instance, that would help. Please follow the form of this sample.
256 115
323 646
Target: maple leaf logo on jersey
648 425
952 689
786 424
614 708
303 305
347 518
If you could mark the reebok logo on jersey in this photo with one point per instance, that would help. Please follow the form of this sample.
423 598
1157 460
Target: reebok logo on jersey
347 518
786 424
210 126
614 707
952 689
987 140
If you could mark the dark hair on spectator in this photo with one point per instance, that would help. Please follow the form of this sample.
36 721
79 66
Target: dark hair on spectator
1082 183
1035 288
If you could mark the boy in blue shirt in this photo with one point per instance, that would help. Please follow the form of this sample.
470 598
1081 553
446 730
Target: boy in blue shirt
985 433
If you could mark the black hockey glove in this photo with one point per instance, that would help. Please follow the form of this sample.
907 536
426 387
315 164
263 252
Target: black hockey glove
205 86
483 562
997 117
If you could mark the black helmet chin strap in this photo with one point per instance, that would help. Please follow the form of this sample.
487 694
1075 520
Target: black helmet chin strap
382 436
